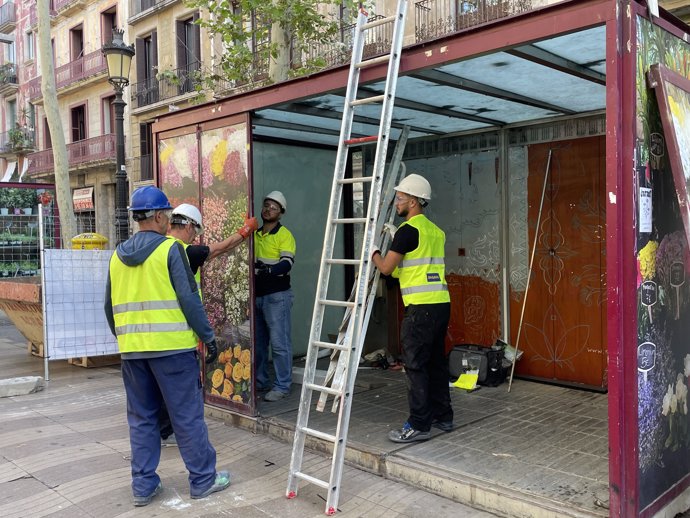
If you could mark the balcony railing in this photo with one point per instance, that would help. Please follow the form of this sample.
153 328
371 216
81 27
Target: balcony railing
70 73
165 85
33 15
8 17
317 55
436 18
66 6
80 69
139 6
18 141
33 89
81 153
8 78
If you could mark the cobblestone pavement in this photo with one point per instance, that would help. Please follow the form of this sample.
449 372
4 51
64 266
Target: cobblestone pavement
64 453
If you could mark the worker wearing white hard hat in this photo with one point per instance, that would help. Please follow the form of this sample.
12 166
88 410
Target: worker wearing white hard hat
274 250
186 225
416 258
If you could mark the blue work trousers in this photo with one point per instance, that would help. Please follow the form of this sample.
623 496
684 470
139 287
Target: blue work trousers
174 380
273 326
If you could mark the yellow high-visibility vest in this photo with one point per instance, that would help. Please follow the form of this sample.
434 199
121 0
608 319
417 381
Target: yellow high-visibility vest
422 272
147 314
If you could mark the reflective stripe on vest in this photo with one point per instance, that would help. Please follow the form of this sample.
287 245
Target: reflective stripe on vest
146 311
422 272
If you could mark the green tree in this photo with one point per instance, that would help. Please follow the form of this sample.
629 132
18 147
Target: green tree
278 29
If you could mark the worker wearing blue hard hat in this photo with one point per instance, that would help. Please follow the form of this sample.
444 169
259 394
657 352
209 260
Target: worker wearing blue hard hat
153 308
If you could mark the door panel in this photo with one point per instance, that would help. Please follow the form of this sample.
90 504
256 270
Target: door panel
563 332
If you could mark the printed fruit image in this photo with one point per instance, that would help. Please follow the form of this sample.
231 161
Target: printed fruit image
218 377
237 372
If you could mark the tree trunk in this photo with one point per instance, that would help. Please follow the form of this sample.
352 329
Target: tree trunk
279 66
63 193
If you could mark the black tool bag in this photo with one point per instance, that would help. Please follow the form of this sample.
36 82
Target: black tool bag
489 360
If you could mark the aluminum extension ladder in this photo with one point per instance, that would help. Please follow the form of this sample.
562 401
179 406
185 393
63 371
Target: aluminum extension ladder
350 348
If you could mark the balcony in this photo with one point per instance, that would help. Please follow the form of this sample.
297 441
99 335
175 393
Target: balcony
166 85
8 18
17 141
33 89
8 79
71 75
80 69
67 7
33 15
136 7
83 154
436 18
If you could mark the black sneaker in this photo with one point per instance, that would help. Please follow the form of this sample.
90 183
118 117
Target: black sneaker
408 434
446 426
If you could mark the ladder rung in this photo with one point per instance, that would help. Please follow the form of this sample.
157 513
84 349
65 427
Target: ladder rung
322 388
373 61
350 220
347 262
312 480
356 180
380 21
339 303
329 345
368 100
362 140
320 435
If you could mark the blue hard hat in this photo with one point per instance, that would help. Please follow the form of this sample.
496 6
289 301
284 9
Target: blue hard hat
149 198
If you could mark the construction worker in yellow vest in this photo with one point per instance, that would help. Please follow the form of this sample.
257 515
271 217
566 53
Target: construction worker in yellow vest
416 258
152 306
185 226
274 251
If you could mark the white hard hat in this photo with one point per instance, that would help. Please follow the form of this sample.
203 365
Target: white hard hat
277 196
415 185
189 213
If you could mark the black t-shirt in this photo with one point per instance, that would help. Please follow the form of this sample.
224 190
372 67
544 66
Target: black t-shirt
406 239
197 255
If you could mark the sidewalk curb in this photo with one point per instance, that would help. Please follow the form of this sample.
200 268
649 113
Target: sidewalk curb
468 490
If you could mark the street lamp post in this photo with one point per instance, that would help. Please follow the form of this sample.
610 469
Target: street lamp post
118 56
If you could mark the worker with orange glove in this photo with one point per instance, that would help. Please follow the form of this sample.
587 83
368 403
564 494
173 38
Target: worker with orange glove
185 226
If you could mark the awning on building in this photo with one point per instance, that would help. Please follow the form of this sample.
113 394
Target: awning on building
83 199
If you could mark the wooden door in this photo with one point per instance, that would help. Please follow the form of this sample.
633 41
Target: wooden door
564 332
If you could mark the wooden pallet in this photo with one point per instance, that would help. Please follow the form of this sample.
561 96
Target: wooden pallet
35 349
89 362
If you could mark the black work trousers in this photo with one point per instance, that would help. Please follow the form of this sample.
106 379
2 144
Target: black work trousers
422 336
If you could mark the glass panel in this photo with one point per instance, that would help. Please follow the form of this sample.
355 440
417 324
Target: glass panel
225 280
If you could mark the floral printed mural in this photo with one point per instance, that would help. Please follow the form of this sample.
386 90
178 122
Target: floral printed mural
210 171
663 265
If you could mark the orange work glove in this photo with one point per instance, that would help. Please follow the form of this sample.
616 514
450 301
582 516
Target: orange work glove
249 227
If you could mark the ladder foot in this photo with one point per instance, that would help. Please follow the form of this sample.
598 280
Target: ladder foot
291 495
331 511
